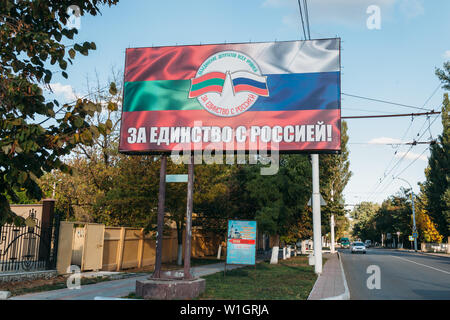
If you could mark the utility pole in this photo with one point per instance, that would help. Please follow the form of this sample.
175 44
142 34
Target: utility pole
332 250
413 212
189 208
317 236
160 218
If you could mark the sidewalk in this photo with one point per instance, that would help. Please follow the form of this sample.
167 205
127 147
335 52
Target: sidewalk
112 289
331 284
426 253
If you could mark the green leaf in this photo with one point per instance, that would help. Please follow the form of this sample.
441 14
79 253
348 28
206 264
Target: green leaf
112 106
113 89
72 53
78 122
22 177
109 124
65 75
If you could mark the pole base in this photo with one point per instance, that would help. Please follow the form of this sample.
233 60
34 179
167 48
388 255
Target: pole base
170 289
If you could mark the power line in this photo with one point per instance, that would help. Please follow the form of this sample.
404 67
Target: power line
392 115
396 144
305 4
400 161
301 16
411 163
384 101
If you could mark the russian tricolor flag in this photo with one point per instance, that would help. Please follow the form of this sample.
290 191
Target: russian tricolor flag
250 82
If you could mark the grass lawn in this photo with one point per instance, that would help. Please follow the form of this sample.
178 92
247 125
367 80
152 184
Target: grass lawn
291 279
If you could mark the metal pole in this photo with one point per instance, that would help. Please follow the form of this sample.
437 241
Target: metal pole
189 208
332 249
414 220
413 212
161 209
317 236
332 234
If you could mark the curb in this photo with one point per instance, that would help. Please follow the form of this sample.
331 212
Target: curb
432 254
346 294
5 295
309 296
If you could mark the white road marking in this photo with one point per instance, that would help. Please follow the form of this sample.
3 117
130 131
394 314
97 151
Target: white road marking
424 265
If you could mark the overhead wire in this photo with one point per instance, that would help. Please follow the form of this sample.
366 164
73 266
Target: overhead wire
301 17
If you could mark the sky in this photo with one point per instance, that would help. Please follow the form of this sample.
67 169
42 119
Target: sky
395 62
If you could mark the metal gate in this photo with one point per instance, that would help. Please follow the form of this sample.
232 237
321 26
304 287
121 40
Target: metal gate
30 247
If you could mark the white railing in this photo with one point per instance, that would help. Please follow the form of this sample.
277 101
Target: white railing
435 247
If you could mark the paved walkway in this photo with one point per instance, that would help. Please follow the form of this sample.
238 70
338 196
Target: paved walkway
331 283
112 289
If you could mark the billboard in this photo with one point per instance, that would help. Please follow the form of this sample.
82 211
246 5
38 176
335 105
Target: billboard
241 242
245 96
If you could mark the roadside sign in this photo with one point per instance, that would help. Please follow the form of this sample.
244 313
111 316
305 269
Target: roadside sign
411 238
241 242
415 235
176 178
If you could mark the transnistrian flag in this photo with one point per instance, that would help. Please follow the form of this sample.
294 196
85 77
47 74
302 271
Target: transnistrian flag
210 82
250 82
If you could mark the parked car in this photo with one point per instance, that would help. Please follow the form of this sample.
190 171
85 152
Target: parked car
368 243
358 247
345 243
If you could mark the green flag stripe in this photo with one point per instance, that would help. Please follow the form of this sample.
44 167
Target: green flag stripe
159 95
207 83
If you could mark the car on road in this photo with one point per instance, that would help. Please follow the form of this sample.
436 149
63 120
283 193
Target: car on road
358 247
345 243
368 243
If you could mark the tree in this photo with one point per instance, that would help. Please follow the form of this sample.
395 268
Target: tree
334 175
277 202
364 226
437 184
31 35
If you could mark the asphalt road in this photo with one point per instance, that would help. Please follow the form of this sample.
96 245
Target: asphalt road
403 275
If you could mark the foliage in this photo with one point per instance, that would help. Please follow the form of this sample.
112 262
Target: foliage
334 176
364 226
437 185
31 38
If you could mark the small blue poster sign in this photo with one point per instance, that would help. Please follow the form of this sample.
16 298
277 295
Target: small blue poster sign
241 242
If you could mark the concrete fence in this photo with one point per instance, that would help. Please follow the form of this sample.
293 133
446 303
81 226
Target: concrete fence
126 248
435 247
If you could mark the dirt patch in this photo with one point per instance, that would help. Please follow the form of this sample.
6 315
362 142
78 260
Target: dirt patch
17 287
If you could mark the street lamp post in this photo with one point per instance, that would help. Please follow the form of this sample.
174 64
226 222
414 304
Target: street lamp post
413 212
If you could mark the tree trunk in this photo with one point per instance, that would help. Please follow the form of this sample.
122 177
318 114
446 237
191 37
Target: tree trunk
180 243
219 252
180 255
275 249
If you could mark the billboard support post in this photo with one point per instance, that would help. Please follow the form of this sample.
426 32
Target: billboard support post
189 208
317 236
332 249
161 209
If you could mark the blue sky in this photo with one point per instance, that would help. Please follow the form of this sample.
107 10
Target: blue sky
395 63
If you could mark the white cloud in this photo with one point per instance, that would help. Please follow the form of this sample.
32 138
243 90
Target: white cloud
447 54
411 155
65 91
384 140
345 12
411 8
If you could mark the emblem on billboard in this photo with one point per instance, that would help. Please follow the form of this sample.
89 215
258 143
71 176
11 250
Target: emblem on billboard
228 83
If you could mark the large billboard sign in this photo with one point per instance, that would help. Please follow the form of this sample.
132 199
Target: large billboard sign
241 242
245 96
